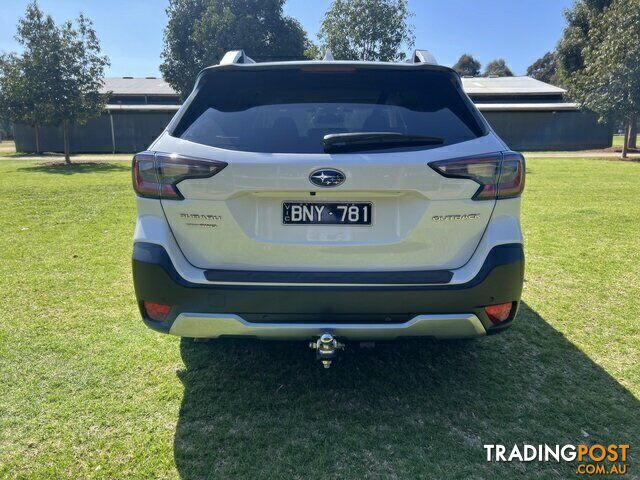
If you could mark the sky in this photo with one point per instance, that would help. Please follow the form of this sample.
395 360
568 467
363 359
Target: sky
130 31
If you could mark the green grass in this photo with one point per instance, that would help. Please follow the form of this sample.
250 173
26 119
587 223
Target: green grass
7 146
618 140
88 392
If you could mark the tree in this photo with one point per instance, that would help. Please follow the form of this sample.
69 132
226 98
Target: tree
609 81
367 30
16 95
6 129
56 80
545 69
313 52
23 97
467 66
497 68
200 32
569 52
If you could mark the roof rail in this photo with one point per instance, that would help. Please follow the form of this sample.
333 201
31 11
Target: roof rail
424 56
235 56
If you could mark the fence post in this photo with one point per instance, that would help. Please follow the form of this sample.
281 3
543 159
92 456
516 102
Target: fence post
113 134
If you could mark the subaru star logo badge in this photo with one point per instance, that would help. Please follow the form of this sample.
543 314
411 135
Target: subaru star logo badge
327 177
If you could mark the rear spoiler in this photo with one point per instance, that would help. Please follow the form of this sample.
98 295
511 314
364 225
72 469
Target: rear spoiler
239 57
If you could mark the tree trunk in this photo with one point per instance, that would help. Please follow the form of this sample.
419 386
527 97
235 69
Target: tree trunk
65 134
37 129
633 132
625 140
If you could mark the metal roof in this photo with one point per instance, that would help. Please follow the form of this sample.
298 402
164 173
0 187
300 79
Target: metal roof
137 86
508 86
142 108
472 85
530 107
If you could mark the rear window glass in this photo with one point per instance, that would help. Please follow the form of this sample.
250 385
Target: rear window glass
291 110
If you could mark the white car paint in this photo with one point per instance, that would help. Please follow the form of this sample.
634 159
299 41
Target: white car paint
409 199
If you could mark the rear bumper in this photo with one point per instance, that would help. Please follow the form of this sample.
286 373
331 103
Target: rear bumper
436 326
353 312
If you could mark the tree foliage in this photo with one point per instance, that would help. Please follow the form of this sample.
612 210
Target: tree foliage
609 81
569 52
17 94
57 78
497 68
200 32
545 69
467 66
6 130
367 30
313 52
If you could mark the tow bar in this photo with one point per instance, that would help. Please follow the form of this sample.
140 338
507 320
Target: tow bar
326 348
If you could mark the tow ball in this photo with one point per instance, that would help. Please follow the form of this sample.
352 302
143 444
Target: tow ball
326 348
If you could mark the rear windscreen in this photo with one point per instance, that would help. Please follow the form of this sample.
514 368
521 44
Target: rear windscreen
291 110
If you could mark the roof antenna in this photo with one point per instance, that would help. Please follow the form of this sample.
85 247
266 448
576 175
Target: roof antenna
328 56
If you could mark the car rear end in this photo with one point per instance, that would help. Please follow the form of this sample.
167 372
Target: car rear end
367 200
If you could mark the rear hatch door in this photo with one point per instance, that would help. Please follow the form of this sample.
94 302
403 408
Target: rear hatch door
267 210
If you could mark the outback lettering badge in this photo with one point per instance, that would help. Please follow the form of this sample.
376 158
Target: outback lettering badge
451 218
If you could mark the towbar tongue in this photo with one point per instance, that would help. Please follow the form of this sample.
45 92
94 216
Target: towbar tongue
326 348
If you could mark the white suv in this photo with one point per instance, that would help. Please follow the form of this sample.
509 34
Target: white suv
364 200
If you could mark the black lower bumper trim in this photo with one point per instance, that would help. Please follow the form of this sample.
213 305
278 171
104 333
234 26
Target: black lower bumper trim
156 279
400 277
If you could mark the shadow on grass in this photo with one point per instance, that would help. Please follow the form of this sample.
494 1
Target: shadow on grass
403 410
33 155
62 168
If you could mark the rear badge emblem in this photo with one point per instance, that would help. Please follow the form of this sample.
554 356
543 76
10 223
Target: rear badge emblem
327 177
452 218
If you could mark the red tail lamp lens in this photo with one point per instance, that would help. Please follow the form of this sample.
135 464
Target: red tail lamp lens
499 313
145 176
156 175
157 311
511 175
500 175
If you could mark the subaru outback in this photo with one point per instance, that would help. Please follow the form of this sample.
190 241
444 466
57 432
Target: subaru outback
345 200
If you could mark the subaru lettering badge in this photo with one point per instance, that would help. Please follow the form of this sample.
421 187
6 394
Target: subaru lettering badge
327 177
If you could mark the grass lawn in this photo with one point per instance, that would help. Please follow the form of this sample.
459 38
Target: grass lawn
618 140
7 146
88 392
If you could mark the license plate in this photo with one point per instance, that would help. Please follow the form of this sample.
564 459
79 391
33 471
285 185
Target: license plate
327 213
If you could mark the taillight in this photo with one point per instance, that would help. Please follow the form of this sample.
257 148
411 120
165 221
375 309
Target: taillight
499 175
156 175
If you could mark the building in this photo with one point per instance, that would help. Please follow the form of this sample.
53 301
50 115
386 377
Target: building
528 114
532 115
137 111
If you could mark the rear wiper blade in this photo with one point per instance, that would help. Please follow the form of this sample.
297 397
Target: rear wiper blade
353 142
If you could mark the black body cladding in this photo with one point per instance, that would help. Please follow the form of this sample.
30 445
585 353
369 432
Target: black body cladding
156 279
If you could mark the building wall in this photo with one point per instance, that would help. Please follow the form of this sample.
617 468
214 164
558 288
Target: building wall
546 130
134 131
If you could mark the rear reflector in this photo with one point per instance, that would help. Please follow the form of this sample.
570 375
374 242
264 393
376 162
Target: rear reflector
498 313
156 175
500 175
157 311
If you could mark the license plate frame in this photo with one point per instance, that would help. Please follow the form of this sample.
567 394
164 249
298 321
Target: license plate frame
333 211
